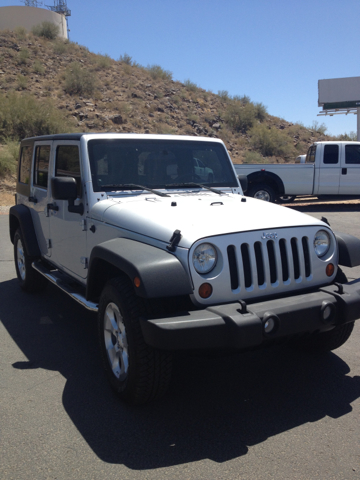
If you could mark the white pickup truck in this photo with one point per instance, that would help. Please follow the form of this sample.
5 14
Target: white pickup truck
331 168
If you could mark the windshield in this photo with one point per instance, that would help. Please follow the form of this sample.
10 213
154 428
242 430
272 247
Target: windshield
158 164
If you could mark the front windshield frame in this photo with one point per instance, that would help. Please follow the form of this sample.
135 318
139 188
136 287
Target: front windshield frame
109 169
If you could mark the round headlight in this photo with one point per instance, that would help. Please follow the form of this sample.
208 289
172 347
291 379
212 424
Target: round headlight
204 258
321 243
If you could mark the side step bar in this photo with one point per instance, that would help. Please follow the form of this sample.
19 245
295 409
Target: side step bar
57 279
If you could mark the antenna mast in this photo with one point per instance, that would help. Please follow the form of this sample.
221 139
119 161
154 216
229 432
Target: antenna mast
31 3
60 6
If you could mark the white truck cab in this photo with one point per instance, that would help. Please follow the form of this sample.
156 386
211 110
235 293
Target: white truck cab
154 233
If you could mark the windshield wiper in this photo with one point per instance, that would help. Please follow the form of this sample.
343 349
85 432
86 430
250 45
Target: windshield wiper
193 184
133 186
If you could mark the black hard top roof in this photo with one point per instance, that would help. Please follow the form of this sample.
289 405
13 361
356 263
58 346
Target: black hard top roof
58 136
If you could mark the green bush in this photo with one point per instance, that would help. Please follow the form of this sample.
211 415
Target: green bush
79 80
38 67
224 95
126 59
102 62
157 72
191 85
346 137
21 82
240 117
26 116
23 56
319 128
270 141
9 154
20 32
60 47
253 157
47 30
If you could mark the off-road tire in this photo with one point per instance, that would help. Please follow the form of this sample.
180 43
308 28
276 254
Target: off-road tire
148 371
30 280
262 192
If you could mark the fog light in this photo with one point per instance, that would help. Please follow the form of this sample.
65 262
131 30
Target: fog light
270 323
205 290
327 312
330 269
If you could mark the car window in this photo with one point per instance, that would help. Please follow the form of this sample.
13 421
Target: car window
331 154
25 164
352 154
41 170
67 163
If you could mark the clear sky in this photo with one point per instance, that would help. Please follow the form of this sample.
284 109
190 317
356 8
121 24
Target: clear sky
273 51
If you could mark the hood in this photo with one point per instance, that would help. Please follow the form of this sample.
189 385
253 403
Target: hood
196 215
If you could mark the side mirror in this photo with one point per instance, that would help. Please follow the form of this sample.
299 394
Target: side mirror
65 188
243 182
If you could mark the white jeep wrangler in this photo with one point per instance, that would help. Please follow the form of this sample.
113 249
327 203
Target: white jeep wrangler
155 234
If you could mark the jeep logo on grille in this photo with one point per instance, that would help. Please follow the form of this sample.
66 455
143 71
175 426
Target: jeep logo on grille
269 236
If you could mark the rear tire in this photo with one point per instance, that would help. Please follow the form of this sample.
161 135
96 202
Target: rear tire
30 280
137 372
261 192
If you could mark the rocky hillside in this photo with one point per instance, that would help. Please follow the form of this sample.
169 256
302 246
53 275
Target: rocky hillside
96 93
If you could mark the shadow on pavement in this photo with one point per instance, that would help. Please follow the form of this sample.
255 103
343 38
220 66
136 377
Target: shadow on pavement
325 207
216 408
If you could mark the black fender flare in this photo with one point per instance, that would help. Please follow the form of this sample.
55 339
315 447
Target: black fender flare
160 273
349 249
20 216
269 178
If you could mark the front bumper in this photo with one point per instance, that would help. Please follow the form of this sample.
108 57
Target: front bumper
235 326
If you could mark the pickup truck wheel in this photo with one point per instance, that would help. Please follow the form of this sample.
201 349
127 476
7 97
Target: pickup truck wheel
262 192
333 339
30 280
137 372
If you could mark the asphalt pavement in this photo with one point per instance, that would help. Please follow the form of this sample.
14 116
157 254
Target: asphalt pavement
269 414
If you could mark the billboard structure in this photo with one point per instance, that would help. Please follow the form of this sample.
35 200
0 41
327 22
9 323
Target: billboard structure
340 96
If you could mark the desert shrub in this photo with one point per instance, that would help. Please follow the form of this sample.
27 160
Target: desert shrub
191 85
240 117
260 111
102 62
319 127
244 99
9 154
46 29
253 157
78 80
23 56
20 32
270 141
156 72
21 82
346 137
26 116
224 95
126 59
60 47
38 67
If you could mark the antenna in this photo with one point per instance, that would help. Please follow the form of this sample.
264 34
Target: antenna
60 6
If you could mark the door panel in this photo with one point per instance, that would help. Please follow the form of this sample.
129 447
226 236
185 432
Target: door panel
68 234
329 175
350 172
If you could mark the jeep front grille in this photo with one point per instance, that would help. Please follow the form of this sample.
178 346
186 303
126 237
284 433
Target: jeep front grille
268 263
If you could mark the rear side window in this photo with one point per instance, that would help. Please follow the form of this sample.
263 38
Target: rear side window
352 154
68 163
25 164
331 154
310 157
41 171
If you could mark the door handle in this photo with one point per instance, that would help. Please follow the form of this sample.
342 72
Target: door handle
51 206
344 171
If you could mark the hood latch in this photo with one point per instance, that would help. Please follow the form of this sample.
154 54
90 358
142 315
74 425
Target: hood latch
174 241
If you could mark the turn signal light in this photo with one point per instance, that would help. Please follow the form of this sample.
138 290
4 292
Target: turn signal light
205 290
330 269
137 282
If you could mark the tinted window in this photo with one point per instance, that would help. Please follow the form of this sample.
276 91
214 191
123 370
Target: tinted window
352 154
41 171
331 154
25 164
310 157
68 163
158 163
